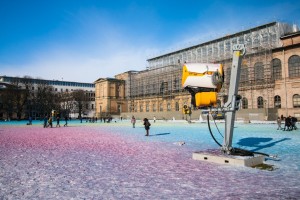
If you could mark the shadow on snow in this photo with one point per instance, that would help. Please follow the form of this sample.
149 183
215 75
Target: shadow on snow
259 143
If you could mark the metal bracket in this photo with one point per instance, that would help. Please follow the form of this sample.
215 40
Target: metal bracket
239 47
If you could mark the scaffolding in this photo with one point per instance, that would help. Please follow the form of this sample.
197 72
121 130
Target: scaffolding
266 36
160 83
162 79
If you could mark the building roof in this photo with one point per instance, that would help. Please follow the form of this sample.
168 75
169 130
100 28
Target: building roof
216 40
290 35
108 79
37 80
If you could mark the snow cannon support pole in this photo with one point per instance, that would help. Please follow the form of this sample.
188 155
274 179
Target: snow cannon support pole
232 103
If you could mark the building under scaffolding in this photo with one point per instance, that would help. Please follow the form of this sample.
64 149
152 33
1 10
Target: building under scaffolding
256 70
260 38
157 90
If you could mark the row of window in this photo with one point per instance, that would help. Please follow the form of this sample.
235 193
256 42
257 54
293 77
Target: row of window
92 94
261 103
87 106
140 87
277 102
276 67
154 107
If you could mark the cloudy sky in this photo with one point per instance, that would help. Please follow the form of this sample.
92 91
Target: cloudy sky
83 40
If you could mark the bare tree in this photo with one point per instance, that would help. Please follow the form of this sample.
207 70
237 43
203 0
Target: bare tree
21 95
80 99
66 103
6 96
45 100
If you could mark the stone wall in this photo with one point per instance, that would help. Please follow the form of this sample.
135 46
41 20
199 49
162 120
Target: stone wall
244 115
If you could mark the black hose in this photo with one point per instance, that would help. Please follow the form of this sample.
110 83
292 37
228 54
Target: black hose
211 132
244 152
235 151
217 127
241 152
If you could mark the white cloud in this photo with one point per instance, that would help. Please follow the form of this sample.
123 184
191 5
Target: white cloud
80 67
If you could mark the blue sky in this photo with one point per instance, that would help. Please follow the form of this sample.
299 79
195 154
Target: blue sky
84 40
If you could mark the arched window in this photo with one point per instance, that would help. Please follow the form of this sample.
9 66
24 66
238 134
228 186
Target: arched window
244 75
147 107
296 101
135 108
176 84
260 102
177 106
277 101
244 103
276 69
164 87
154 107
294 66
141 107
259 72
168 107
161 108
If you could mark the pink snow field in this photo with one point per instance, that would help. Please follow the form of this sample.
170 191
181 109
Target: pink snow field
116 161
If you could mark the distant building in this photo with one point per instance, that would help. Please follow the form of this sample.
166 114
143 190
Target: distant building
269 82
58 87
110 97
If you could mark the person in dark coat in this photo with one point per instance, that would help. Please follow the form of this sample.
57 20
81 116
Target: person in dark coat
287 124
57 121
45 121
147 126
66 121
293 122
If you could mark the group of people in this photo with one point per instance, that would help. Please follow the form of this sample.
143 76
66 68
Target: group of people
289 123
95 119
48 121
146 124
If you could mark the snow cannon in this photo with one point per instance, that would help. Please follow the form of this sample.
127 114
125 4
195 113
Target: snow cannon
203 81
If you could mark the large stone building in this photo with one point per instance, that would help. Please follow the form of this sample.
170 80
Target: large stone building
269 82
110 97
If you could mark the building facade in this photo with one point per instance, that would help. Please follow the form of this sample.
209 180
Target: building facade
60 87
110 97
269 82
286 72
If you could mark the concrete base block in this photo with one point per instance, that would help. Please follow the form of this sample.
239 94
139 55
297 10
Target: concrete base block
216 156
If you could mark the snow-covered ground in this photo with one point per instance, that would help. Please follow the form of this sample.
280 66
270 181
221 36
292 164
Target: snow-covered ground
116 161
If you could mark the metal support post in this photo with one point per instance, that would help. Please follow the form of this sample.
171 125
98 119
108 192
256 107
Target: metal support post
232 103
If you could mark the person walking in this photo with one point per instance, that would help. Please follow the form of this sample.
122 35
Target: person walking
133 121
30 120
50 121
66 121
57 121
293 123
147 126
287 124
45 121
279 123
